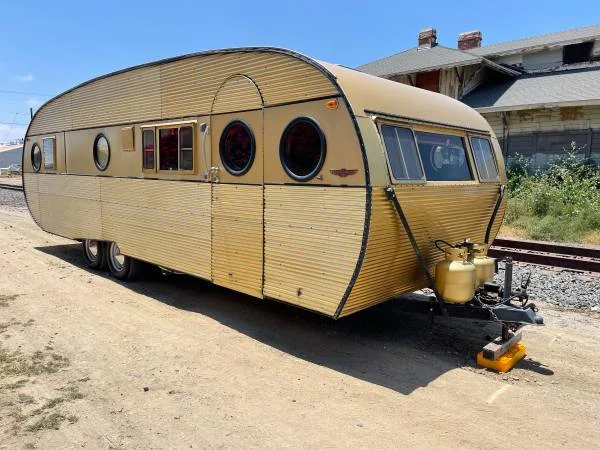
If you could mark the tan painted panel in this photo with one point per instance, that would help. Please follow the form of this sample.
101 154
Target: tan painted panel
162 222
237 229
451 213
254 120
313 237
343 147
236 94
373 93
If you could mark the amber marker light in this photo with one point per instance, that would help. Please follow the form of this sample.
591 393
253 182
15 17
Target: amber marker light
331 104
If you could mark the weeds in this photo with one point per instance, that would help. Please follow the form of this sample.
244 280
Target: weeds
16 363
561 203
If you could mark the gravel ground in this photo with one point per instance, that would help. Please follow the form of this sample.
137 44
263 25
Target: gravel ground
558 287
12 200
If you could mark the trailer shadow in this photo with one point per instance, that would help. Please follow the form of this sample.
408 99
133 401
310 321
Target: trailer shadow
382 345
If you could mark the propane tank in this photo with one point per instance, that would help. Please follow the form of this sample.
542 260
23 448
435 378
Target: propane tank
484 265
455 276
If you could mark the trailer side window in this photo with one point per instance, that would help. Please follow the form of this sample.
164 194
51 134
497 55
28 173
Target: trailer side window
101 152
148 149
302 149
186 148
484 158
237 148
176 148
168 148
36 158
49 149
444 157
402 153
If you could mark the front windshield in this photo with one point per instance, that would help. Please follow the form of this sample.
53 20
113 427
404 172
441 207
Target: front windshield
443 156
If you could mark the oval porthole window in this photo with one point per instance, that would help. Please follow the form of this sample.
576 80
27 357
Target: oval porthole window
36 157
101 152
302 149
237 148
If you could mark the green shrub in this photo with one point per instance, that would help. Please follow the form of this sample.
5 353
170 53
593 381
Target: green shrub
561 203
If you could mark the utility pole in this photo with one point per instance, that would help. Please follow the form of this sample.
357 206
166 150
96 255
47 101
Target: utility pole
31 112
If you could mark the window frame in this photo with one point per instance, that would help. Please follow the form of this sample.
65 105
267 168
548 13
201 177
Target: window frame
95 151
245 170
489 139
421 181
156 127
33 147
54 162
322 158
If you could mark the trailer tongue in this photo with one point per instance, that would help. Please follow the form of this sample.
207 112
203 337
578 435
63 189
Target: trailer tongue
463 286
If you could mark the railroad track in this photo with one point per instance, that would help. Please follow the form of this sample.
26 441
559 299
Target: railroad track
12 187
574 257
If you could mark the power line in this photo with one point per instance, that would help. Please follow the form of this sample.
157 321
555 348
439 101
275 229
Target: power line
13 123
24 93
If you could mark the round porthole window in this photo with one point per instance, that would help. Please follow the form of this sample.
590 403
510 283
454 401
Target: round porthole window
302 149
101 152
36 157
237 148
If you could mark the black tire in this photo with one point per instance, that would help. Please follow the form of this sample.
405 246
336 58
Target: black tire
121 266
94 254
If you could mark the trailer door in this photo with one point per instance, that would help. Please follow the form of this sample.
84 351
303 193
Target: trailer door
237 186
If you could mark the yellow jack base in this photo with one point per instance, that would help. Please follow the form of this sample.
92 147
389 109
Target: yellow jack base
506 361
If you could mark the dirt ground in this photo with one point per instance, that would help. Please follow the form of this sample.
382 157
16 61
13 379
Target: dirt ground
174 362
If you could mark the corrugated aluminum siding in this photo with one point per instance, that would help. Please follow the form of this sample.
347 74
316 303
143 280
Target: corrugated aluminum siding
179 88
451 212
313 237
162 222
237 229
236 94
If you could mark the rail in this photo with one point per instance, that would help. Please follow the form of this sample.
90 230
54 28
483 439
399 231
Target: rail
567 256
12 187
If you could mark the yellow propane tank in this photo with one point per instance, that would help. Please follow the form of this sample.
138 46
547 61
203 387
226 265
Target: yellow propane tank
484 265
455 276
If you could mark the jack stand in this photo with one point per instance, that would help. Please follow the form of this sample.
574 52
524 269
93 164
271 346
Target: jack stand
504 352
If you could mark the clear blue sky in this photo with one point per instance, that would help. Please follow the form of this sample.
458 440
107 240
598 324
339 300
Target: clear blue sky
49 46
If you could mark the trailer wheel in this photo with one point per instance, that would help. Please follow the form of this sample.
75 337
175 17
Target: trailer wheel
121 266
94 253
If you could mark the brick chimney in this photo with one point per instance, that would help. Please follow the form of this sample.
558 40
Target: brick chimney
469 39
427 38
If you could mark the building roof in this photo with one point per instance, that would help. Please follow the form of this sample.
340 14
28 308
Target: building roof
565 88
545 40
423 59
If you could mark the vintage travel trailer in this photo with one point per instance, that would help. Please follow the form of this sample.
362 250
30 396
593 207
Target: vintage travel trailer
266 172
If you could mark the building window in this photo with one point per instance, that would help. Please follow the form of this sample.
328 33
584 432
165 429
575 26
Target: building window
443 156
49 149
176 148
577 53
237 148
148 149
402 153
484 158
101 152
302 149
36 158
